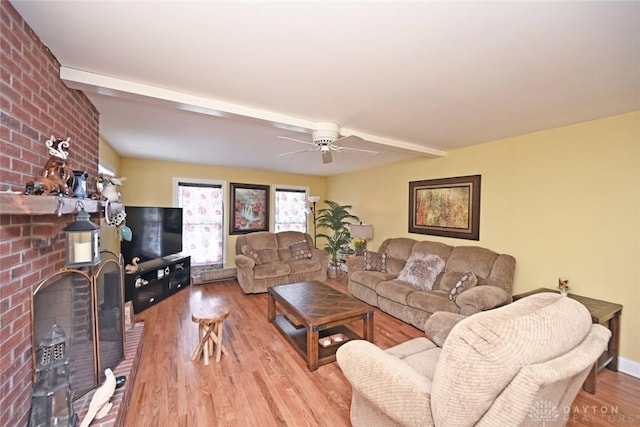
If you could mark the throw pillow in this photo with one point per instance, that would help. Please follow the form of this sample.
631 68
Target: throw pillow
422 270
251 253
374 261
466 281
300 250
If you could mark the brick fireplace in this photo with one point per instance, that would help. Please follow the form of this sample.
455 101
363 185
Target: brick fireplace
35 104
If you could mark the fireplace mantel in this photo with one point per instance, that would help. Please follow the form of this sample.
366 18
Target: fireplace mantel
22 204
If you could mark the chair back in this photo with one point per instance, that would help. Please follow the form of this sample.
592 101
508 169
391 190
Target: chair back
497 366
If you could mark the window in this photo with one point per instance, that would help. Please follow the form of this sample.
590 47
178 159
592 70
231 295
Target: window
290 209
202 204
105 170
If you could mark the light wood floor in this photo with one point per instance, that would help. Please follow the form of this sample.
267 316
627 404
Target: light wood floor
264 382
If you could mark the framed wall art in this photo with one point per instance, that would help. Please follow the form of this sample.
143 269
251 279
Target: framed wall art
249 208
448 207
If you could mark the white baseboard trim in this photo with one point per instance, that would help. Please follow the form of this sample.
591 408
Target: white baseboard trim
629 367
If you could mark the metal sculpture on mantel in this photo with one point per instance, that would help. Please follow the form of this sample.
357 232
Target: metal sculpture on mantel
56 174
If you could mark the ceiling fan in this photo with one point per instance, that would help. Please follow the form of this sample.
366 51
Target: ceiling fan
324 139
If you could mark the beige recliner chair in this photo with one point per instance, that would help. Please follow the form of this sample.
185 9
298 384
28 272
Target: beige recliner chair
521 364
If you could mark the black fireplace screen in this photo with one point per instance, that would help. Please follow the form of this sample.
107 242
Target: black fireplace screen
89 309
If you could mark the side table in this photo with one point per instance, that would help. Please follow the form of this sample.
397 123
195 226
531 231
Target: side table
604 313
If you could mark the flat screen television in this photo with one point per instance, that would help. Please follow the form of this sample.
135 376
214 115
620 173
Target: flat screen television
156 233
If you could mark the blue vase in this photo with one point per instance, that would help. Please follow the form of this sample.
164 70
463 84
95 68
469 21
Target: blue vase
126 234
80 184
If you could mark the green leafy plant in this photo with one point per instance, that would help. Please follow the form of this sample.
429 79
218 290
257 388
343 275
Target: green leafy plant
335 217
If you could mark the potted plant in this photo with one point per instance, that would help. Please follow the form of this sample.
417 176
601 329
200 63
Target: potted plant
359 245
335 217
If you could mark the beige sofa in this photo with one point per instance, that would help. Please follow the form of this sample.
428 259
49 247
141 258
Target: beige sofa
522 364
265 259
492 272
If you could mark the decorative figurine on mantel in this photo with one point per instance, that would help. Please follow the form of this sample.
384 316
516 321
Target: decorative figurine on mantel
106 185
56 173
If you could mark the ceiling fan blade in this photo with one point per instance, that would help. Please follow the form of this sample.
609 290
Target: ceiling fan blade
296 140
297 151
349 138
326 156
360 150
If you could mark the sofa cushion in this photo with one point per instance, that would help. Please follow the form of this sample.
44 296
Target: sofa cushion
466 281
395 290
395 265
259 240
422 270
420 353
251 253
433 248
268 256
276 269
370 279
399 247
450 279
300 250
303 266
472 258
375 261
432 301
264 244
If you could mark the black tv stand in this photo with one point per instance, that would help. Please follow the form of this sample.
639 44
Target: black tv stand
151 264
156 280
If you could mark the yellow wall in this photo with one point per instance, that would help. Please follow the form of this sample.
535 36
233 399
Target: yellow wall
150 183
564 202
109 238
109 158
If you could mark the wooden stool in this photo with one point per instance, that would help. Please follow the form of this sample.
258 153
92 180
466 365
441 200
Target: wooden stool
209 332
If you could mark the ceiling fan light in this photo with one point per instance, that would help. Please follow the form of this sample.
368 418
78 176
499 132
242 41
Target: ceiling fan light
326 156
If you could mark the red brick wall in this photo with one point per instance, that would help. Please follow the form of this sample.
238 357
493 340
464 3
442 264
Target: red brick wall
35 104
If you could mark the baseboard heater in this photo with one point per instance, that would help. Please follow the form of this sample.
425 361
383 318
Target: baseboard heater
208 275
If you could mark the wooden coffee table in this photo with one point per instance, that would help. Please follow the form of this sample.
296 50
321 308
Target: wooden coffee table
311 311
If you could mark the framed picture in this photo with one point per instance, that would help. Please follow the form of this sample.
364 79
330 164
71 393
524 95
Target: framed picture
249 208
447 207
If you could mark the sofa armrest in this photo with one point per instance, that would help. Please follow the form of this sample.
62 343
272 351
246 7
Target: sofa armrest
439 324
386 381
243 261
321 255
480 298
355 263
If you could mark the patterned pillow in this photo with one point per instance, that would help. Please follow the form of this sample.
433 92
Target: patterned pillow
251 253
466 281
421 270
300 250
374 261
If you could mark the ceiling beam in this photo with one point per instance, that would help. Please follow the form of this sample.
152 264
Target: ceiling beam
111 86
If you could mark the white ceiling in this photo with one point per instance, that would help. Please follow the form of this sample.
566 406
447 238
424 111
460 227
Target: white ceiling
215 82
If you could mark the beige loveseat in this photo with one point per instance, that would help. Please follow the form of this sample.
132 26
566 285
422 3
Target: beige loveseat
522 364
489 286
265 259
